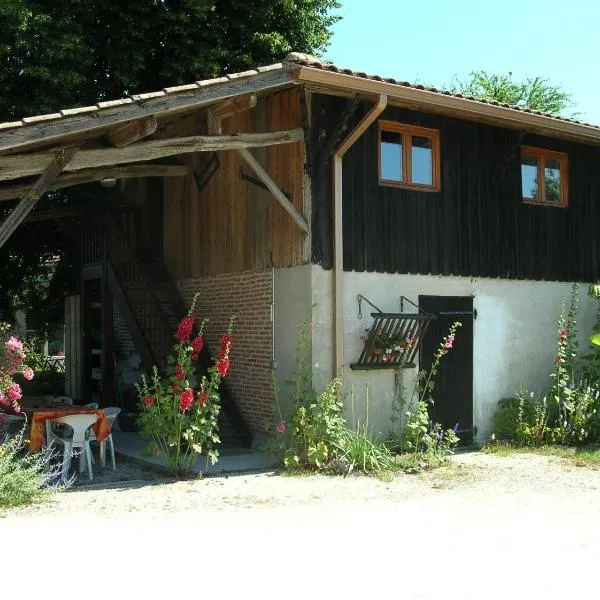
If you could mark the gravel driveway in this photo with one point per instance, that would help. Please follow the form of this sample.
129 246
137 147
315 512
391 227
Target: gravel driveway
522 526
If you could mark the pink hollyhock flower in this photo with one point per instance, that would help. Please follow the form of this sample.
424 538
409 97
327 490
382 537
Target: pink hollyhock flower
3 400
281 427
14 392
28 373
148 400
195 356
186 400
449 342
203 398
14 344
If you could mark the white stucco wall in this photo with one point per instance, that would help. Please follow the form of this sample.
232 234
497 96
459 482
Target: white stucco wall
514 335
292 300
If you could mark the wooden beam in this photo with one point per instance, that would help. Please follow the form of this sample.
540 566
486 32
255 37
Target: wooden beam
10 192
216 113
142 105
279 195
24 165
126 134
61 157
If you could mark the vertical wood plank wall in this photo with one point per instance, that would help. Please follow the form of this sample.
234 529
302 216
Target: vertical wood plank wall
73 348
231 225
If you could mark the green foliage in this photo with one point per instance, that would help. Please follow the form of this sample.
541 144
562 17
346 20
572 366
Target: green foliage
178 412
317 429
25 477
536 93
49 374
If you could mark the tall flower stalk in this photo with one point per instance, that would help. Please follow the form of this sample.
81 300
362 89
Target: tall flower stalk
179 411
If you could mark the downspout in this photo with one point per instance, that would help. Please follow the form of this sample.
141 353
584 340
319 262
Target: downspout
338 242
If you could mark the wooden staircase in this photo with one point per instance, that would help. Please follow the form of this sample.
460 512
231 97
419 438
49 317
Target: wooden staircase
151 306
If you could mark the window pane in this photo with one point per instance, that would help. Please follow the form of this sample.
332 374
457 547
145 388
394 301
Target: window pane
529 185
422 160
552 179
391 155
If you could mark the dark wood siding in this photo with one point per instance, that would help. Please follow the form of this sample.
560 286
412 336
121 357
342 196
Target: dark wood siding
476 226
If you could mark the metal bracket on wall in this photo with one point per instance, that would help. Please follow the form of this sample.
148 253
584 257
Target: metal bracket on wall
457 313
204 173
257 182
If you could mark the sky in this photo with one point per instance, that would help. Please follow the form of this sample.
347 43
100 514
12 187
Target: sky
432 41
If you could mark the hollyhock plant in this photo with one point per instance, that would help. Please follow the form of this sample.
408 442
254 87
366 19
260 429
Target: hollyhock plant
178 428
12 362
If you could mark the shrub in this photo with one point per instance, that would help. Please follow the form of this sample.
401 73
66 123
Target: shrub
25 477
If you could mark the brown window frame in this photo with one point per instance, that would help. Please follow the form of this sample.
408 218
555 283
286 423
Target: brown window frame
563 160
407 131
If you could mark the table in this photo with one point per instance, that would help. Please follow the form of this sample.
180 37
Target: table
37 417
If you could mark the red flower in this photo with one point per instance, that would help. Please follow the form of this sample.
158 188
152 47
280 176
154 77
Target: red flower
377 352
198 344
148 400
186 400
184 330
222 367
203 398
563 334
387 357
195 356
179 372
559 359
226 342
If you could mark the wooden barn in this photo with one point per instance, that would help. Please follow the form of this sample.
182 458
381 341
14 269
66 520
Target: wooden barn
300 191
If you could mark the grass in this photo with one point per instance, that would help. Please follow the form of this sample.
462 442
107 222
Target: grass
585 456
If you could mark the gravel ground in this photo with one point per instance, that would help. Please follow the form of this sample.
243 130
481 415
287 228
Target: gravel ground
519 526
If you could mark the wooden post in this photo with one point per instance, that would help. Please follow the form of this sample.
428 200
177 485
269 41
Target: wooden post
61 157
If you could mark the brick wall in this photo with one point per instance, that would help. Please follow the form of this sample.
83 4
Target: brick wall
249 296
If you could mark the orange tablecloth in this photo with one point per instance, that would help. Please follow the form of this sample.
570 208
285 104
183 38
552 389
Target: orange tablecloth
40 416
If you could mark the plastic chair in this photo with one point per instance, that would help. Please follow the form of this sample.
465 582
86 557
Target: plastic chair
93 405
79 425
63 400
111 412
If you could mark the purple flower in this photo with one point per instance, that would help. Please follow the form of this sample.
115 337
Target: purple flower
456 428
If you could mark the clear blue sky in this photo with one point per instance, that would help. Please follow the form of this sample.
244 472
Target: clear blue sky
430 41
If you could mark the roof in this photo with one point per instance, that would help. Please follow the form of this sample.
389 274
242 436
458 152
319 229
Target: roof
296 69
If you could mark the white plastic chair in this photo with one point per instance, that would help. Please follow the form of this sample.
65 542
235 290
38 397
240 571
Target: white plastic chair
111 412
79 425
63 400
93 405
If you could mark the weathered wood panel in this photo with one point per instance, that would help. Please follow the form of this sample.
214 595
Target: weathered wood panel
476 226
233 225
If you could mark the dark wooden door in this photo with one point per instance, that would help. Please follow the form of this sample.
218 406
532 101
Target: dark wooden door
453 391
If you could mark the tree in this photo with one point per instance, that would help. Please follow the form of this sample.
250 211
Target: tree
78 52
536 93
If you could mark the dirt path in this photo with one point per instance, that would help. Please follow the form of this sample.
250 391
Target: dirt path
521 526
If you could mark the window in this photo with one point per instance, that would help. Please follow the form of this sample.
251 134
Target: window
409 156
543 177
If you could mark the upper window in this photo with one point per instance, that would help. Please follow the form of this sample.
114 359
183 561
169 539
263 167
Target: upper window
543 176
409 156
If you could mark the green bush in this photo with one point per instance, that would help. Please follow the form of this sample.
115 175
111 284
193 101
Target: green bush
25 477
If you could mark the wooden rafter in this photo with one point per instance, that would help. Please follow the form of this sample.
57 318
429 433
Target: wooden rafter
25 165
131 132
10 192
215 114
60 158
274 189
